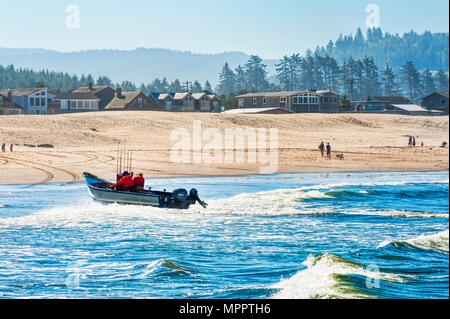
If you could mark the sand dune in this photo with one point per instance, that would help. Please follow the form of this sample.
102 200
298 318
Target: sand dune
88 142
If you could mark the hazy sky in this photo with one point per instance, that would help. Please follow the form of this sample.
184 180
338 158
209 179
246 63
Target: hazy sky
269 28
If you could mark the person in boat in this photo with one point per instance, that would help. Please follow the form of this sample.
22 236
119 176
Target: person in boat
125 183
139 182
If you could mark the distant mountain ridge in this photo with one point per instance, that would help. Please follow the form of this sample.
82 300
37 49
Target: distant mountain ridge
142 65
139 66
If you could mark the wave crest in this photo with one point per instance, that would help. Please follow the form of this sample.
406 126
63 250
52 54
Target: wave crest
322 279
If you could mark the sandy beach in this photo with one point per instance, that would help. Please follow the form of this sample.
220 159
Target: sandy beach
88 142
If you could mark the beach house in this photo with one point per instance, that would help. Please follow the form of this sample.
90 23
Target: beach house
325 101
379 103
183 102
132 101
75 102
436 101
104 93
32 100
8 107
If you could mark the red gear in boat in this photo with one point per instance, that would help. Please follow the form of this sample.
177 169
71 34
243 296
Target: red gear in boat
126 181
139 181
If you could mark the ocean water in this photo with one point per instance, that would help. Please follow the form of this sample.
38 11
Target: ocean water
336 235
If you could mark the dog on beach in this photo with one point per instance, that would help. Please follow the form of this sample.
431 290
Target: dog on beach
340 156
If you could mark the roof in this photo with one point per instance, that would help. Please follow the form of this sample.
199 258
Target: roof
75 96
255 110
122 101
213 97
285 94
163 96
181 96
410 107
10 104
198 96
321 92
269 94
22 92
444 94
390 99
94 90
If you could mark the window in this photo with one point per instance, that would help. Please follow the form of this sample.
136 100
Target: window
43 93
295 100
264 101
254 101
140 100
443 102
32 101
241 102
73 104
42 101
79 104
282 100
325 99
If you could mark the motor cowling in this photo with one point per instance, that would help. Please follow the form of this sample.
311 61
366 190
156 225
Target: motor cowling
180 194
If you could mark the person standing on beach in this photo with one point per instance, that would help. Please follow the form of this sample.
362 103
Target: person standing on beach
11 148
322 148
414 142
3 147
410 141
328 150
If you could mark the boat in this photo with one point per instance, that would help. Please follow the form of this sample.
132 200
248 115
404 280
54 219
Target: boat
101 191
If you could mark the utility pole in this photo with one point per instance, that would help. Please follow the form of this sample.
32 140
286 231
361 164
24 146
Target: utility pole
186 84
351 82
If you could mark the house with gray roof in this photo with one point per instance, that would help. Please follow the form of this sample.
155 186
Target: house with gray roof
316 101
104 93
436 101
76 102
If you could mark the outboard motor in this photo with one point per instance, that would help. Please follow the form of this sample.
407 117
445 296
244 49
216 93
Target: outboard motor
180 194
193 195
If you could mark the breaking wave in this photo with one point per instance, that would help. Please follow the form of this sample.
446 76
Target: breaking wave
438 242
329 276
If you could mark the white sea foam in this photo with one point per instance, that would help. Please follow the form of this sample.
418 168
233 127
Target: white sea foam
319 279
436 242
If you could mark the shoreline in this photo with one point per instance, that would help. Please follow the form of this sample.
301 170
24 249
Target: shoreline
82 142
355 171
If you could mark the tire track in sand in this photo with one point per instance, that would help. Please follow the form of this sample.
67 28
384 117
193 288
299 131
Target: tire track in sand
51 176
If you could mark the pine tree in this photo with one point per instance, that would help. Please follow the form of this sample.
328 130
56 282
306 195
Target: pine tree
429 86
207 87
411 80
284 74
227 80
239 79
388 81
442 81
176 86
103 81
256 74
